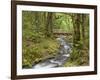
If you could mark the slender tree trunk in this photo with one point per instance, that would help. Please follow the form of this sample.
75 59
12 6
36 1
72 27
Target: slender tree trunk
76 27
83 26
49 24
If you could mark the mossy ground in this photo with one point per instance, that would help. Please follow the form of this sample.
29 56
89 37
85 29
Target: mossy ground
35 51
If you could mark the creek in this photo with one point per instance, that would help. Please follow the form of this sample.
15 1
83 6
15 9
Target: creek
60 59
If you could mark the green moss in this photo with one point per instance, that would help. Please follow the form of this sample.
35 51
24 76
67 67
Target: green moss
70 64
35 52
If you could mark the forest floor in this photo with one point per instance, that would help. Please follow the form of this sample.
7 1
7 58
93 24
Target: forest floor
34 52
37 51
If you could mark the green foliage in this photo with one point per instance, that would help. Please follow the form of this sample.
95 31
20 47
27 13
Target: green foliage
63 21
69 63
79 56
39 43
39 51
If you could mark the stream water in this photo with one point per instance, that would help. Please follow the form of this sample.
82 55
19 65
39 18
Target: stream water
59 59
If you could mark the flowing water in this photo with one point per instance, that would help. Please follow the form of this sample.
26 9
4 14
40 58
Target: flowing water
59 59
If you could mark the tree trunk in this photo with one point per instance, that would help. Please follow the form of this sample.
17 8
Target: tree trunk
49 24
83 26
76 28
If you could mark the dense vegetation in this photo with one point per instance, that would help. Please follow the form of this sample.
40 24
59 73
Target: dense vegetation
39 41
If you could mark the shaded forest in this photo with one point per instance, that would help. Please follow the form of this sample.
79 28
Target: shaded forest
39 33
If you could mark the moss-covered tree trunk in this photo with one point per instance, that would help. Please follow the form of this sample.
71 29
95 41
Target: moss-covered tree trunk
76 28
